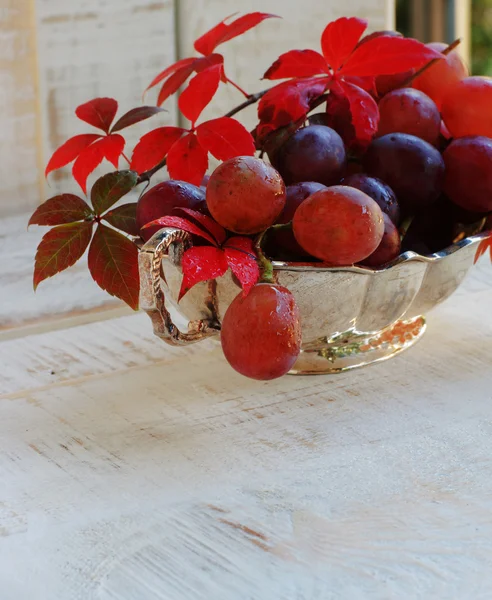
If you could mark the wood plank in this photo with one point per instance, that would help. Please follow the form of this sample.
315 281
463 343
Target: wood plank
68 292
19 123
176 478
113 48
249 56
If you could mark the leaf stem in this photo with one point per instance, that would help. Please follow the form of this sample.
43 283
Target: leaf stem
447 50
126 158
251 99
239 88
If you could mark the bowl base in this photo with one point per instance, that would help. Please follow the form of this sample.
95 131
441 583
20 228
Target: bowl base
353 349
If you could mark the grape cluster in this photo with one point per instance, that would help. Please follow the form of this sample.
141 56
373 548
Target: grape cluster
427 172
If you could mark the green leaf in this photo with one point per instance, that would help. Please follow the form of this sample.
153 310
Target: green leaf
113 263
124 218
110 188
60 248
65 208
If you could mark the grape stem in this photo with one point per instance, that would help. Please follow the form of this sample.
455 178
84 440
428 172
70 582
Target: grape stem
266 265
447 50
251 99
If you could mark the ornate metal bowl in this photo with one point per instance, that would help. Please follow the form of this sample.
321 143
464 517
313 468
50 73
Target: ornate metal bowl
351 316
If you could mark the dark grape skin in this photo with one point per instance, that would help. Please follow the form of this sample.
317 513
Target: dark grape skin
245 195
282 242
388 249
339 225
378 191
261 332
409 111
313 153
163 199
412 168
431 230
468 179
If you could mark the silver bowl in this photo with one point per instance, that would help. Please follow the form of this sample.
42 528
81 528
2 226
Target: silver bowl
350 316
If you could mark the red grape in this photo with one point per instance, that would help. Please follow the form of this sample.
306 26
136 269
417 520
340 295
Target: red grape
442 75
313 153
284 239
339 225
412 168
467 107
378 191
245 195
388 83
163 199
261 332
468 179
409 111
388 249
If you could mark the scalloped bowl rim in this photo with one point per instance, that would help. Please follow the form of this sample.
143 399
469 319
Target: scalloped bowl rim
402 258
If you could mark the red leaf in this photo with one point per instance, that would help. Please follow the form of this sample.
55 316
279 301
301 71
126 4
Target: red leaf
201 263
60 248
200 92
340 38
204 62
241 258
368 84
113 146
124 217
386 55
187 160
207 223
99 112
173 84
180 64
135 115
223 32
484 245
110 188
70 150
297 63
183 224
287 102
153 147
109 147
113 263
65 208
176 80
362 108
225 138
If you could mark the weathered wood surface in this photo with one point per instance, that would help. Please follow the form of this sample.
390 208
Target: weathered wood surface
249 56
130 470
56 54
70 292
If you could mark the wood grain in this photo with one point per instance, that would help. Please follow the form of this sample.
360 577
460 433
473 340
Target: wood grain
137 471
248 57
113 48
19 118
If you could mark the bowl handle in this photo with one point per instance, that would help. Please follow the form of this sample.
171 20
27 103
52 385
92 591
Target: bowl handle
152 299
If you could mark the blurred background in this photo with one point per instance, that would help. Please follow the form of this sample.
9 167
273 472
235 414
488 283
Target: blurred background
57 54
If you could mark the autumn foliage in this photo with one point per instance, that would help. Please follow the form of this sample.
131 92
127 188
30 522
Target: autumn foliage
342 76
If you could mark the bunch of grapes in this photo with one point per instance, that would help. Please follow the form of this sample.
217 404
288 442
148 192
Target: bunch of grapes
427 169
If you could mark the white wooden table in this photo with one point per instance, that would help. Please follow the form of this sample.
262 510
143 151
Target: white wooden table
133 471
